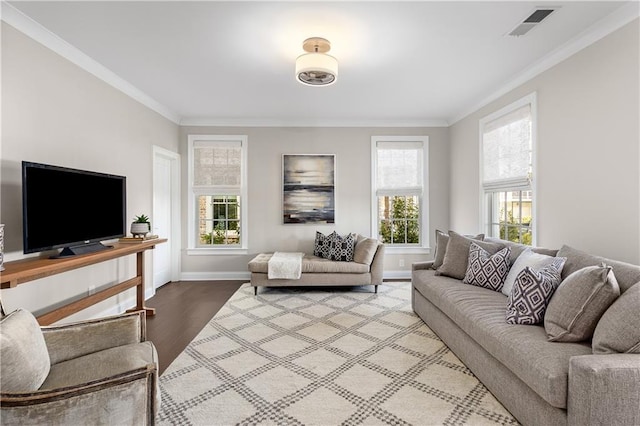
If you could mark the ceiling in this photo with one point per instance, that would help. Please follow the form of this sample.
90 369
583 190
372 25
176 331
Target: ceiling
400 63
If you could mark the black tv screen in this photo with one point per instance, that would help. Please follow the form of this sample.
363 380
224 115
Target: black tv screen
64 207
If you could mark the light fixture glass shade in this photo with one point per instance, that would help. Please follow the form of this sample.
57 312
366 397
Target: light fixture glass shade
316 69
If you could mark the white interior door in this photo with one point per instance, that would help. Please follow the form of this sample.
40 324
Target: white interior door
165 222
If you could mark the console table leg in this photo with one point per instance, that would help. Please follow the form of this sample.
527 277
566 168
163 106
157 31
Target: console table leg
140 288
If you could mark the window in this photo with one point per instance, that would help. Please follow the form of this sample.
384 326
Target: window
399 201
218 192
507 151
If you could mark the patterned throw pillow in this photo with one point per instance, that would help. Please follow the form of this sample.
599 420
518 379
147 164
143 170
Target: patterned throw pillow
532 291
487 270
322 246
342 248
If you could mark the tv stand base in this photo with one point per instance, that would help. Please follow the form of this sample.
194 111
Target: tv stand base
80 249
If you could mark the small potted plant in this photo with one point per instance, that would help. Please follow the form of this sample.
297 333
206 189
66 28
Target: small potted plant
140 226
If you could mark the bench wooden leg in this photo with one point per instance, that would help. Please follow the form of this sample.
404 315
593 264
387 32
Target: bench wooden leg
376 288
255 290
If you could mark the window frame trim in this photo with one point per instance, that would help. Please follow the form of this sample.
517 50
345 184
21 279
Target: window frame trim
192 211
530 99
423 247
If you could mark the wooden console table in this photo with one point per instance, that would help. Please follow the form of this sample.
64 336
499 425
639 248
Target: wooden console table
25 270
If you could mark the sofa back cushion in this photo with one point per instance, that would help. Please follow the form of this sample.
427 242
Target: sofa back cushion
527 258
442 240
618 331
626 273
24 358
456 257
517 249
579 302
365 250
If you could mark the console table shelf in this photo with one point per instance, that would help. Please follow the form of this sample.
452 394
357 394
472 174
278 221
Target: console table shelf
25 270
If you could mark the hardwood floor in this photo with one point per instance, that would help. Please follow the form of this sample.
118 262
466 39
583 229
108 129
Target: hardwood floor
183 308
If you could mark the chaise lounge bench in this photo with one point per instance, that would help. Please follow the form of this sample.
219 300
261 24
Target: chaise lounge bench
365 269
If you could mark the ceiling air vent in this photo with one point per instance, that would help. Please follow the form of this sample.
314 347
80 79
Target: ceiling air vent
530 22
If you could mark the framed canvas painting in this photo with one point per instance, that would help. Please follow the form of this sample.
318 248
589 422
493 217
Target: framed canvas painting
308 188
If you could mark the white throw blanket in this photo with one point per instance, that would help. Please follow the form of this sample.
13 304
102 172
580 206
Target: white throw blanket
284 265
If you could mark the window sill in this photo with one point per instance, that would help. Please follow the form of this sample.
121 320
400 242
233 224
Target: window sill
388 249
217 251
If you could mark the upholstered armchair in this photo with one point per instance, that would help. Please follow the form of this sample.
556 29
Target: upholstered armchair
99 371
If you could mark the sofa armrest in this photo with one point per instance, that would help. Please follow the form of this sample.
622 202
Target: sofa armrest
68 341
604 389
377 265
113 400
416 266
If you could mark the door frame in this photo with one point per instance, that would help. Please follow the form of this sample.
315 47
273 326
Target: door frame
175 236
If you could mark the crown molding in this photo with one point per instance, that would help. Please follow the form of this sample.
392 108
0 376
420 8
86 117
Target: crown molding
322 122
37 32
595 32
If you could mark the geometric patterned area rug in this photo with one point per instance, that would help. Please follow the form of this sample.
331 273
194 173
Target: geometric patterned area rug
322 356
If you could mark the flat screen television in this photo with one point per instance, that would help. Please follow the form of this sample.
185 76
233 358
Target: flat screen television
70 209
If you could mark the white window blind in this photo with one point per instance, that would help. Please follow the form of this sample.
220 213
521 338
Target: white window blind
507 151
399 168
217 166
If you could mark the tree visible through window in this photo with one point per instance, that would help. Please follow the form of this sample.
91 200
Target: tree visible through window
399 219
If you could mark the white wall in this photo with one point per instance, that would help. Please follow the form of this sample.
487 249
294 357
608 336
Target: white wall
588 178
54 112
352 147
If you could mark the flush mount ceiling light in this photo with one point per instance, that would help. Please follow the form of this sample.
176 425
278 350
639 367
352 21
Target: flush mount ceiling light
316 68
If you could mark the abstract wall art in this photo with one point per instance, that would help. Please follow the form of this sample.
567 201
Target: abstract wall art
308 188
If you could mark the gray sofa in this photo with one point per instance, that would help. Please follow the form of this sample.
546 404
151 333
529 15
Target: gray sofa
366 269
540 382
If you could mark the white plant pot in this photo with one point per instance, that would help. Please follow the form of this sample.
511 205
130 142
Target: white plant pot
140 229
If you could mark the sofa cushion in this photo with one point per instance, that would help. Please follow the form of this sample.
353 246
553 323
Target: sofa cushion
310 264
518 248
457 255
365 250
322 245
626 273
442 240
579 302
528 258
24 358
618 331
342 247
532 292
487 270
100 365
523 349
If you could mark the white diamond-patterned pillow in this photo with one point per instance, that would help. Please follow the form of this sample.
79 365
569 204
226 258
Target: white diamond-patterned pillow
532 292
487 270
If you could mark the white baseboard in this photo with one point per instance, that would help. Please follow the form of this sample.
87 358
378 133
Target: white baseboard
235 275
215 276
396 275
